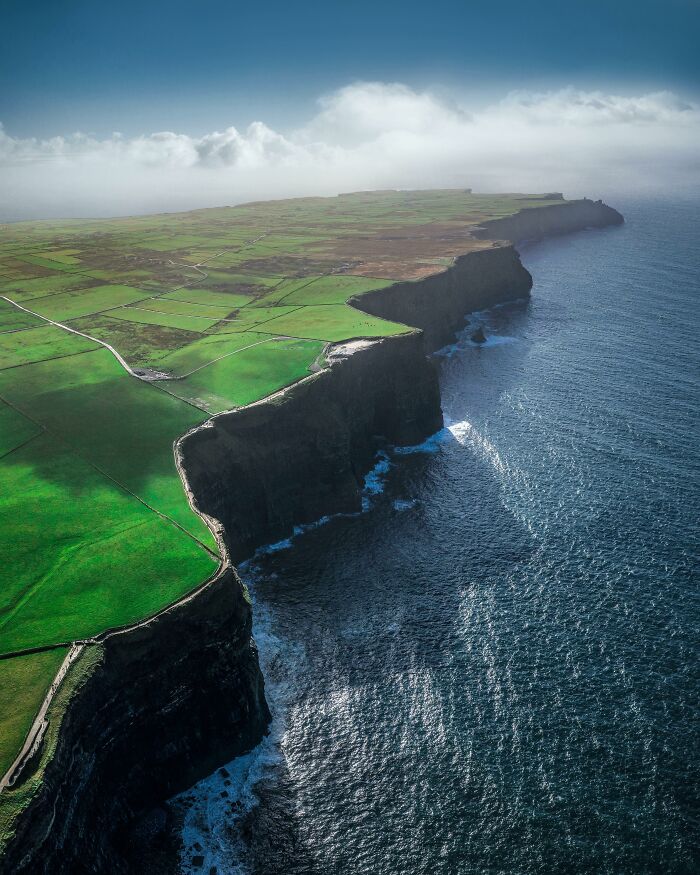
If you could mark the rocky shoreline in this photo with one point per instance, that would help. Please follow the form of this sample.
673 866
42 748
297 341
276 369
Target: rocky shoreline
167 702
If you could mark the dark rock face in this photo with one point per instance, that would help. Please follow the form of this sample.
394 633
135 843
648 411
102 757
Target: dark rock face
481 279
439 303
169 702
303 453
562 218
175 698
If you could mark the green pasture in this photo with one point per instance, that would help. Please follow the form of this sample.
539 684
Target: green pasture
251 319
185 308
206 349
81 302
248 375
24 682
332 322
211 298
14 319
122 426
335 289
26 288
15 429
159 317
38 344
105 559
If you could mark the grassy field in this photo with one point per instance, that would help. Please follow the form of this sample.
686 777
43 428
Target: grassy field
24 681
230 304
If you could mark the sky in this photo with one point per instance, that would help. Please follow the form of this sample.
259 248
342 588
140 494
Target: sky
139 106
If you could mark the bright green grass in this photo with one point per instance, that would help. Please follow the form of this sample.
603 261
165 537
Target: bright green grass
104 559
14 800
206 350
185 308
167 320
248 375
332 322
252 319
24 681
38 344
12 318
208 297
334 289
15 429
123 426
24 289
70 305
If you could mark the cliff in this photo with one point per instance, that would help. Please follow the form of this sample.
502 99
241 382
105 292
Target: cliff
484 278
561 218
439 303
303 453
141 723
148 711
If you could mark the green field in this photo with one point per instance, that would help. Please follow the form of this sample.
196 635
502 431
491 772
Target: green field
24 681
69 305
227 306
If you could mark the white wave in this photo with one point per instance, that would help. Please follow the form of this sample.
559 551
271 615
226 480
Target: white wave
430 445
375 480
467 435
211 826
465 342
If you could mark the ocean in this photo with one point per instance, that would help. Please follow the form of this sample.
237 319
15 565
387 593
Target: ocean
494 667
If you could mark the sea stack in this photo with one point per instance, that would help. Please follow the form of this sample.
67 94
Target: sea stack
478 336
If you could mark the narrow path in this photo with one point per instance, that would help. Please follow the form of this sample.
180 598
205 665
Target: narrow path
146 377
38 727
103 343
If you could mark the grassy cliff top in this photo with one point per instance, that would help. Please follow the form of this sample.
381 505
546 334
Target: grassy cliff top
216 308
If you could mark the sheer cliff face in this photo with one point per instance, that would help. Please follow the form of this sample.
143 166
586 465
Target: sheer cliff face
303 453
167 703
171 700
439 303
561 218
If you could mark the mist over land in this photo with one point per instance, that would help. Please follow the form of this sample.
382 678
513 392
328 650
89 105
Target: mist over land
366 135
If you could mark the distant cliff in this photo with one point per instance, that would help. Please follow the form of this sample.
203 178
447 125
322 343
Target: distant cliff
534 223
164 704
439 303
480 279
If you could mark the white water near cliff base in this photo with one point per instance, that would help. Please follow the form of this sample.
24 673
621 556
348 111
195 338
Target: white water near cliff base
494 668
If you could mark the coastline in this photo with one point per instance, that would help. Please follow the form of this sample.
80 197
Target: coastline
258 471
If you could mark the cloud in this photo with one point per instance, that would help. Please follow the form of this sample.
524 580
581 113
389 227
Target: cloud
366 135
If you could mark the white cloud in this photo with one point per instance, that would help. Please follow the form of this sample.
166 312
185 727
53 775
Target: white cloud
365 135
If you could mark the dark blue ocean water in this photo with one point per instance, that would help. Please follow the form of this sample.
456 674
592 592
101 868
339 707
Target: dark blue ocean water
494 669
